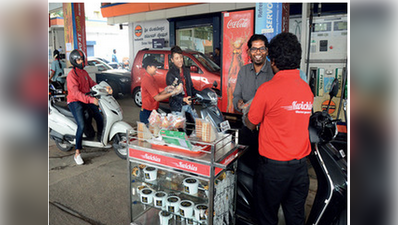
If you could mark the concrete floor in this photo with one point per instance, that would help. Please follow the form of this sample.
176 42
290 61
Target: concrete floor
97 192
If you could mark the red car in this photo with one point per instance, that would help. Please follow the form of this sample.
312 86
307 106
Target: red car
203 70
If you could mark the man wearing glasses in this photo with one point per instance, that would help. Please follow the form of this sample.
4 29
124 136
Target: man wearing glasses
250 78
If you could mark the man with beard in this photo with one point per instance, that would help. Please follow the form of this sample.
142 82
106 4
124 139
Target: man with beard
250 78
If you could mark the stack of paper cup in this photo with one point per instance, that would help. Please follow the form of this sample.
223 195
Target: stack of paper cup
146 196
186 208
159 199
200 213
164 217
191 186
172 204
150 173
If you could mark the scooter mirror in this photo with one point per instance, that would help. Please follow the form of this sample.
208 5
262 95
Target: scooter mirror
334 88
215 84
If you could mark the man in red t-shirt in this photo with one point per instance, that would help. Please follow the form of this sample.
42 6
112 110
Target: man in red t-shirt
283 107
150 89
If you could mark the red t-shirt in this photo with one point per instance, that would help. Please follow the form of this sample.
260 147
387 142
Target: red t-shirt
283 107
184 85
149 89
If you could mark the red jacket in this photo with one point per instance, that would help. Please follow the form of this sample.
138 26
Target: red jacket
78 84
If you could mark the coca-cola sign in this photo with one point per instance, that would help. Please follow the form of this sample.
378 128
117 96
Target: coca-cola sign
241 23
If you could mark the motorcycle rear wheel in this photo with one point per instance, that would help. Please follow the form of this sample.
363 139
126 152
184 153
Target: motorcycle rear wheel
120 145
63 146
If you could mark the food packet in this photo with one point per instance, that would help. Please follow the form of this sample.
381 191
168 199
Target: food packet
246 107
198 127
143 132
178 121
166 121
178 89
209 133
154 119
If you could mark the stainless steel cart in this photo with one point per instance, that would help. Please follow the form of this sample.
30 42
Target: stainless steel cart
213 168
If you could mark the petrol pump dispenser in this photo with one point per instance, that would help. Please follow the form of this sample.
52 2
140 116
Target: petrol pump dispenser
328 57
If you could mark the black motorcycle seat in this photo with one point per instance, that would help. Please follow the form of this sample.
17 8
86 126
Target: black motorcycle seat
63 108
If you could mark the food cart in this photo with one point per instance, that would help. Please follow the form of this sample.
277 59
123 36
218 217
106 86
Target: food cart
171 185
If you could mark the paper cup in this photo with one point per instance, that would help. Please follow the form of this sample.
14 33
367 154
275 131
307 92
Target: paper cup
164 217
200 212
150 173
186 208
146 196
159 199
191 186
172 204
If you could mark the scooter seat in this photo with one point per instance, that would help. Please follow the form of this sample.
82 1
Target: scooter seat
63 108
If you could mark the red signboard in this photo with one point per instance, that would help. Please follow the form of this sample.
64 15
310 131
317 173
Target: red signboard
237 30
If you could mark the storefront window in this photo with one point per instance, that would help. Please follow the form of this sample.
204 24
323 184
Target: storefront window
197 38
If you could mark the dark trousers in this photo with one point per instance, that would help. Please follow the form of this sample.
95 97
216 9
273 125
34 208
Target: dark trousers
144 115
77 109
278 183
249 138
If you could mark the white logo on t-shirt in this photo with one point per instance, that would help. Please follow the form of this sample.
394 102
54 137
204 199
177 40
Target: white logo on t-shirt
302 107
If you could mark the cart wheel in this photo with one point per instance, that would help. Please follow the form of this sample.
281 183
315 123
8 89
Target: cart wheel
63 146
120 145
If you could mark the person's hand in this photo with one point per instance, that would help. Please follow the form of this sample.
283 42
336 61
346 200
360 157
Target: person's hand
109 90
169 89
240 103
95 101
187 100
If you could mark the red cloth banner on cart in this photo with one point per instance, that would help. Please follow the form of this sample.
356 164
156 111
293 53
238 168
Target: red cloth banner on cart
237 30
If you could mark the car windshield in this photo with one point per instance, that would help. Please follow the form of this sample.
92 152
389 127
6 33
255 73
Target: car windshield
207 62
101 65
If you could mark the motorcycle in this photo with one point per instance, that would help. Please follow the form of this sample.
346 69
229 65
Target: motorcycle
63 125
207 98
56 92
330 166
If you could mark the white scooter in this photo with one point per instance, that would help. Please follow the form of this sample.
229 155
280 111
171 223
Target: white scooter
63 125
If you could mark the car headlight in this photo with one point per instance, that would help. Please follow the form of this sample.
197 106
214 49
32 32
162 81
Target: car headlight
124 79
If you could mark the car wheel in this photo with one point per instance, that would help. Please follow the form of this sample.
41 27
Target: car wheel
137 97
115 89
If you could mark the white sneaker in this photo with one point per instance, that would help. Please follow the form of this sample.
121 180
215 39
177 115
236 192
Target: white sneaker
78 160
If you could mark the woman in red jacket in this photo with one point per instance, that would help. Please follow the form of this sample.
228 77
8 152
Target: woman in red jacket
78 83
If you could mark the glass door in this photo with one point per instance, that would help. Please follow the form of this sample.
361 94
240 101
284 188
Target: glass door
197 38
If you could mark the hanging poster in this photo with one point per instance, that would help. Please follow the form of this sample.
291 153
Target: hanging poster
74 27
272 18
237 30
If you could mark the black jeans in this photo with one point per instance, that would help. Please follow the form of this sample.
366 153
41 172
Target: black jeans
277 183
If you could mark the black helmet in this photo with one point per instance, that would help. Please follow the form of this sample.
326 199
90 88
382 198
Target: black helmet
75 55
